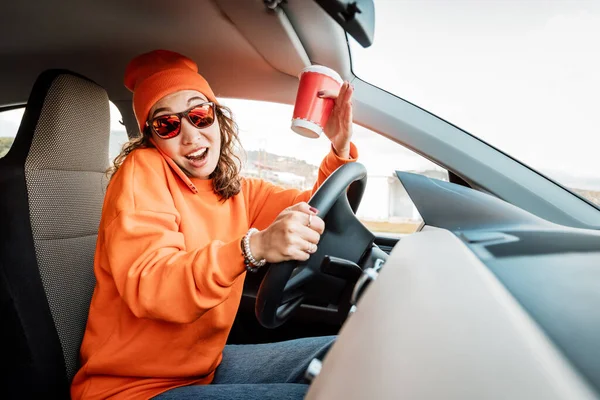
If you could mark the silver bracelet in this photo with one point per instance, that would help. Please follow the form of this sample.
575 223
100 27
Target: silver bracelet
252 265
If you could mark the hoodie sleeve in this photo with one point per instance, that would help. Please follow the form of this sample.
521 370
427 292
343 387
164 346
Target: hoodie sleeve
268 200
158 277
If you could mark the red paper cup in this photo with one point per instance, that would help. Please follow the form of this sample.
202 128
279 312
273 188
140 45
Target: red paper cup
310 111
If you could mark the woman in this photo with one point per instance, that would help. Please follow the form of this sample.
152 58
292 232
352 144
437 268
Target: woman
179 229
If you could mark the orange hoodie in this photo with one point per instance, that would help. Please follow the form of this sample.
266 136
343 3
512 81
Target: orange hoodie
169 275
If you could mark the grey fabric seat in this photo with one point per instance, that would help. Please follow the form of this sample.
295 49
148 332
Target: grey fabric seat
52 185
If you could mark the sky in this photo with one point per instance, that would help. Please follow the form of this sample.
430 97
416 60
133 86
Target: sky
522 75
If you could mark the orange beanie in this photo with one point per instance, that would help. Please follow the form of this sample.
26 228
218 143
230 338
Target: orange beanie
152 76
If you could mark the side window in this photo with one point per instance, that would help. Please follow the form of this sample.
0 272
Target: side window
9 125
386 208
276 154
118 133
11 119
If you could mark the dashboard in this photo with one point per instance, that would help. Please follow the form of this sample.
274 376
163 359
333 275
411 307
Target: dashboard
487 301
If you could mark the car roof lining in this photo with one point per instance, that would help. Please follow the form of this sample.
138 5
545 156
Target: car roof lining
111 32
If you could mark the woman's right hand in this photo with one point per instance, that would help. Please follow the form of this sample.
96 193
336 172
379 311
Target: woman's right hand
290 236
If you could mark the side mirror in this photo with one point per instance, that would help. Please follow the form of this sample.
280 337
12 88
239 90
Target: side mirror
357 17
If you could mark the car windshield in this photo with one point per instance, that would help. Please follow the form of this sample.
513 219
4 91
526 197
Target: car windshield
521 75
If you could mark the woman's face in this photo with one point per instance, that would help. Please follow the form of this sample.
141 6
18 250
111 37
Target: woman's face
195 150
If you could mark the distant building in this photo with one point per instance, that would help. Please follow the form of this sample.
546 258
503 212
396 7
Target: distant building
290 179
283 171
400 206
399 203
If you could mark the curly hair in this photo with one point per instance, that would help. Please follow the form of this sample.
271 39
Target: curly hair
226 176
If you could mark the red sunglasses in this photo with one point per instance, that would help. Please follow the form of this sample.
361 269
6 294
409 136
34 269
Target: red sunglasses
168 126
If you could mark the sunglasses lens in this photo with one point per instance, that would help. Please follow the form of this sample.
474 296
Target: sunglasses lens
166 126
202 116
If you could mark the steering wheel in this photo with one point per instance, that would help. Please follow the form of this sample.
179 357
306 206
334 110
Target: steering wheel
283 287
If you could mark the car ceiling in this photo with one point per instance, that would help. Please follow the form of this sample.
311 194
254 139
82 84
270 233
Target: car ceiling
243 49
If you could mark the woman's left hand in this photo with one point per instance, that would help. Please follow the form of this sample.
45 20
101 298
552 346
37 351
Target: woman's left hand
339 126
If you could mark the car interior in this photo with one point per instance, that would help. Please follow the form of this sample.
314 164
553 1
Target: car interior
495 296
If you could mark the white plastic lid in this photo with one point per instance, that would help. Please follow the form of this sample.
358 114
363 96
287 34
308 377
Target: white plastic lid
321 69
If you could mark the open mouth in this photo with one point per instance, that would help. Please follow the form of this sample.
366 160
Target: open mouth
198 155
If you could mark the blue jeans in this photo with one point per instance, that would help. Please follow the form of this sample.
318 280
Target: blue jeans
259 371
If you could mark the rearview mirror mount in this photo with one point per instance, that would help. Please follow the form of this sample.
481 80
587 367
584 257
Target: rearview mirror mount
357 17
